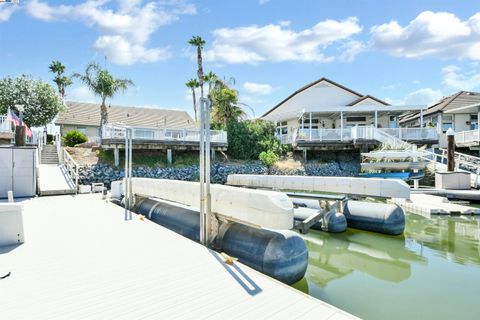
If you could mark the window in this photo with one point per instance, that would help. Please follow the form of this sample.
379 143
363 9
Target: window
447 122
282 128
82 130
357 119
473 121
306 123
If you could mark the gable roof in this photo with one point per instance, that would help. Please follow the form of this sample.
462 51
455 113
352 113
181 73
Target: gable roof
309 86
453 101
88 114
367 97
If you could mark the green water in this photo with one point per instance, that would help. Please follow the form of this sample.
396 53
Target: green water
430 272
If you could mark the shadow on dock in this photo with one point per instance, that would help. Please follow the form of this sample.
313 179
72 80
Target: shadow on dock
240 276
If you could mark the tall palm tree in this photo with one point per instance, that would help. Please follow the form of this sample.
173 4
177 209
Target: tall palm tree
198 42
193 84
62 81
102 83
226 106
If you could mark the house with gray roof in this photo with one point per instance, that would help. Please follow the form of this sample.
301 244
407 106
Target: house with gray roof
448 112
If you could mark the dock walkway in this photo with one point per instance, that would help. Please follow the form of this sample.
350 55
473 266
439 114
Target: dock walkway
53 179
82 260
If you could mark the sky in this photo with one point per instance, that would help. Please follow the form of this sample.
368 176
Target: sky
405 52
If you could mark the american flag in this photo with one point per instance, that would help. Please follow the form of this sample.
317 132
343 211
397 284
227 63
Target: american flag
12 117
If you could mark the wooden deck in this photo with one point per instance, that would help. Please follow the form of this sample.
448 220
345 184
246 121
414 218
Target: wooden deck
82 260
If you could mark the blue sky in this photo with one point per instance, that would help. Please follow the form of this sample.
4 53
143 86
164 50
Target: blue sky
406 52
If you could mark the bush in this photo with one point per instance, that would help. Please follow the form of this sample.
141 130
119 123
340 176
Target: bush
268 158
72 138
247 139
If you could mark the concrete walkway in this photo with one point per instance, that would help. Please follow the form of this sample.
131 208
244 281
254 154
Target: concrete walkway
53 179
82 260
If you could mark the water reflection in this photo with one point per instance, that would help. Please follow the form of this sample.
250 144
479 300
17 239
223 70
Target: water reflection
454 238
333 256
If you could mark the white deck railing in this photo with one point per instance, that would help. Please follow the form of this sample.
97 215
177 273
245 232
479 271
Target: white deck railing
361 133
162 134
471 137
5 125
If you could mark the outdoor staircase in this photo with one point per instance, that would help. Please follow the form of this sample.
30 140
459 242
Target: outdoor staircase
49 154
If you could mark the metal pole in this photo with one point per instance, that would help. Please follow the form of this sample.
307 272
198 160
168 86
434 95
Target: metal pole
126 174
421 118
130 199
208 220
310 125
341 125
202 173
376 119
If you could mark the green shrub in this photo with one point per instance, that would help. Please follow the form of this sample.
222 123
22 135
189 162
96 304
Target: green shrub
268 158
247 139
72 138
49 138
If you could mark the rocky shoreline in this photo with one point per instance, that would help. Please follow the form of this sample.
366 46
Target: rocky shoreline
219 171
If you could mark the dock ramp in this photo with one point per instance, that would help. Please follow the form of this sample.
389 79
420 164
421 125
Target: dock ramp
53 179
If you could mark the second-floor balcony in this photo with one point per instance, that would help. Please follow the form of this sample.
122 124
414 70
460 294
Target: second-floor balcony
168 136
360 133
470 138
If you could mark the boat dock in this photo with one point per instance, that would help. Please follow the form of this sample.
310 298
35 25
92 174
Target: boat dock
427 205
82 260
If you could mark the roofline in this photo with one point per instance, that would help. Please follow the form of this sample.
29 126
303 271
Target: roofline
367 97
475 105
309 86
117 106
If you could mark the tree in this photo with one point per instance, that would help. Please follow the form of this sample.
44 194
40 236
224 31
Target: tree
198 42
62 81
225 102
102 83
41 103
211 78
193 84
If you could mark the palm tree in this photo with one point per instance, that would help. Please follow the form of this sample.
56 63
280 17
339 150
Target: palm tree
57 68
193 84
211 78
226 106
102 83
198 42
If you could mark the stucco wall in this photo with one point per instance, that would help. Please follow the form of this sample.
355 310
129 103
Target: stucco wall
90 131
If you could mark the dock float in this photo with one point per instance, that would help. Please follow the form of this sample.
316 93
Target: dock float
82 260
428 205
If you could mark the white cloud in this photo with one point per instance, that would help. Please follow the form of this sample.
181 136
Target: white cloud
430 34
257 88
262 2
125 30
350 50
453 78
81 94
425 96
6 10
121 51
277 42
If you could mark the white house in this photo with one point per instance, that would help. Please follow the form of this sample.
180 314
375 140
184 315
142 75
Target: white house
459 111
326 114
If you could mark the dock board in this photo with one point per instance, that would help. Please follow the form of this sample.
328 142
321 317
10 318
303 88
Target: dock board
82 260
428 205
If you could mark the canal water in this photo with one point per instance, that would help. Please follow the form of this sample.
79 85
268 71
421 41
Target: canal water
430 272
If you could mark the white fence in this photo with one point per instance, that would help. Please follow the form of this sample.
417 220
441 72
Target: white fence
359 133
162 134
471 137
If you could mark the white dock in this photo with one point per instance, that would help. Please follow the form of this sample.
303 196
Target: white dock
427 205
53 179
82 260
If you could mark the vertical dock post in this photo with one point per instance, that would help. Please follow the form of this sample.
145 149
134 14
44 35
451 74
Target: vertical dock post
205 197
450 150
169 156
